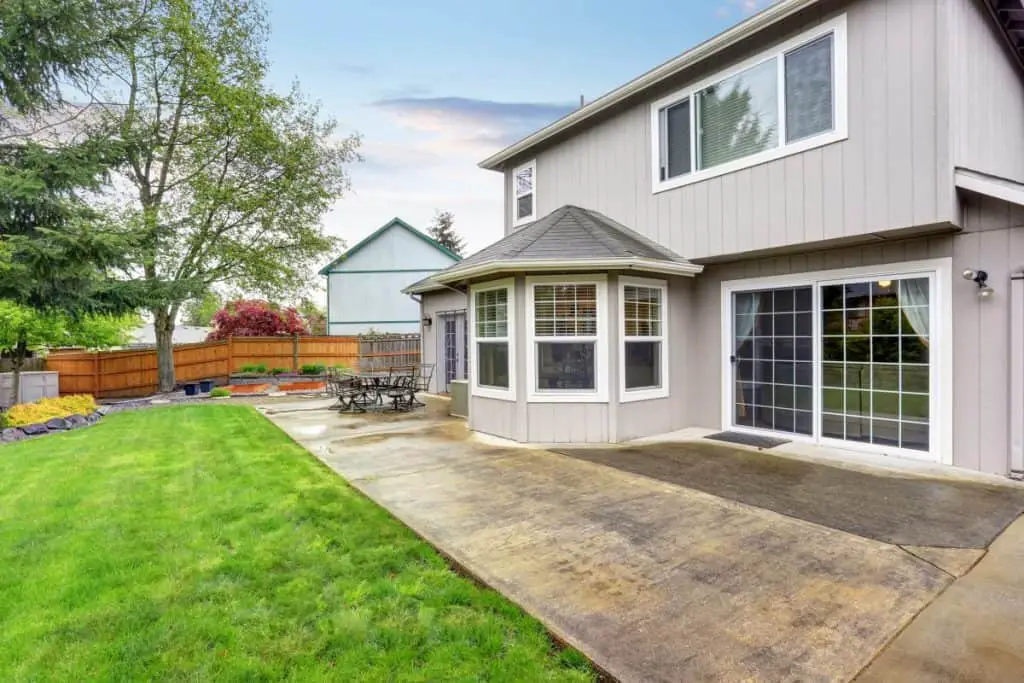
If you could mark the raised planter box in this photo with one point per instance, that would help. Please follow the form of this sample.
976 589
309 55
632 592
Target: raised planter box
34 386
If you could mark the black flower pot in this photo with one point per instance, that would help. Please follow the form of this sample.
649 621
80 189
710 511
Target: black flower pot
206 386
191 389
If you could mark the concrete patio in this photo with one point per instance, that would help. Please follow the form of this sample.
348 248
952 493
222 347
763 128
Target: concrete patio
657 581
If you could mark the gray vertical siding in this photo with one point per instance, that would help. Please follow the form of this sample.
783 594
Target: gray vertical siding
658 416
988 96
993 240
431 304
883 177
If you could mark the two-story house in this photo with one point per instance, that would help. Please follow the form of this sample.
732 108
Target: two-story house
810 225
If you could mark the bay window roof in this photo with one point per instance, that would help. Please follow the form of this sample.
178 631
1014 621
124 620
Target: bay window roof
569 238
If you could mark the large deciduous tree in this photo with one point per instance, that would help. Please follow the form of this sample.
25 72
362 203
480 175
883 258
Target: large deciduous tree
228 179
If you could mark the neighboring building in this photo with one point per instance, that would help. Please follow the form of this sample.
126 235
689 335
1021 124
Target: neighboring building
183 334
829 169
364 285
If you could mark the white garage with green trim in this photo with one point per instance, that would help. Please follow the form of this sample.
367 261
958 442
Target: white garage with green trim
364 285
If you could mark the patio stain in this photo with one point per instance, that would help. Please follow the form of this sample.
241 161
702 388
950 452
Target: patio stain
911 511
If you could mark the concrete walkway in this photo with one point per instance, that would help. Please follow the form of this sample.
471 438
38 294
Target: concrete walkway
652 580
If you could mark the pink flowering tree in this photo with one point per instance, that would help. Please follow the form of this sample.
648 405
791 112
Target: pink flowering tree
254 318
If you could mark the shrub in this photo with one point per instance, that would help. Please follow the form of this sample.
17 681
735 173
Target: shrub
219 392
341 367
255 368
313 369
279 371
47 408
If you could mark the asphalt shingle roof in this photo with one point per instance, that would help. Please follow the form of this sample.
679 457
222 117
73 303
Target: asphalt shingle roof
567 234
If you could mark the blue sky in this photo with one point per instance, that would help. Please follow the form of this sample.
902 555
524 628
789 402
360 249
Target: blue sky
434 87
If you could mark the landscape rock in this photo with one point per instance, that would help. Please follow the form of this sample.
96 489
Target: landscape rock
94 417
11 434
77 421
57 424
102 410
35 429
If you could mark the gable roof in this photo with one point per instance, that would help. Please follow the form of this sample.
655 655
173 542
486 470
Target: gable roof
1008 15
568 237
380 231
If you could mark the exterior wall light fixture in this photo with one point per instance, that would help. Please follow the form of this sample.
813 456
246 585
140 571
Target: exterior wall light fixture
980 278
427 321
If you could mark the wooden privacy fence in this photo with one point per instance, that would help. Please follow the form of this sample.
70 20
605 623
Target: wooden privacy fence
119 374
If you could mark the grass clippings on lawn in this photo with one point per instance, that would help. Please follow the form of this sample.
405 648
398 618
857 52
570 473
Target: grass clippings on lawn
200 543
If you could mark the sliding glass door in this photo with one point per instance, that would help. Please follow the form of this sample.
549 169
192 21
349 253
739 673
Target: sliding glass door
847 360
772 358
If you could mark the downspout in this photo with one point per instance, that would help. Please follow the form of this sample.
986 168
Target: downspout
1017 376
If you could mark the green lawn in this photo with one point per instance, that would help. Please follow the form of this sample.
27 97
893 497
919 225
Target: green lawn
200 543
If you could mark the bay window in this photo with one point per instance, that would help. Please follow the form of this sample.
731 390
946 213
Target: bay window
492 350
568 341
643 330
783 101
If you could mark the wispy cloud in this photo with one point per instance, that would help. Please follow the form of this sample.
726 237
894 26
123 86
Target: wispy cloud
480 121
354 69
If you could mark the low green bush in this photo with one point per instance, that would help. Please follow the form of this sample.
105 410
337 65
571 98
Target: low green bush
279 371
313 369
254 368
341 367
218 392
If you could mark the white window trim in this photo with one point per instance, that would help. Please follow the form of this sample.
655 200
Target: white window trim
630 395
600 392
837 27
940 349
476 389
516 220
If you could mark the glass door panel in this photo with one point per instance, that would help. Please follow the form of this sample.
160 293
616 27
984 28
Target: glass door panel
875 361
773 359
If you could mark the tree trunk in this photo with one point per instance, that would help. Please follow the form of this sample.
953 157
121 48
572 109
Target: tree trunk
163 326
17 362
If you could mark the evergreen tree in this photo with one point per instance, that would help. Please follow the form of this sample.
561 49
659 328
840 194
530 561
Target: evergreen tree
56 253
443 231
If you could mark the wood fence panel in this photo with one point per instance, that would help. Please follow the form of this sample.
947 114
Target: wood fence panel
329 351
274 352
122 374
77 371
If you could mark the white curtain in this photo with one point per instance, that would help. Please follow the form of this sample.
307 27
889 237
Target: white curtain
744 310
914 303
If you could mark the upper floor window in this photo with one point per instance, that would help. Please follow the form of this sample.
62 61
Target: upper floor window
781 102
524 206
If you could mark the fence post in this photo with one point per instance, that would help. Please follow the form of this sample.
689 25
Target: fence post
231 357
95 374
295 353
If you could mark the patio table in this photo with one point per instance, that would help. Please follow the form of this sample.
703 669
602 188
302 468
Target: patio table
367 390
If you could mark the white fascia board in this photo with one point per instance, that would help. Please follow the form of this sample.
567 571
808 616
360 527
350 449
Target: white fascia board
576 265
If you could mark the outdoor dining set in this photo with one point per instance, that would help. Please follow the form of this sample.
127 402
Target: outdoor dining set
392 389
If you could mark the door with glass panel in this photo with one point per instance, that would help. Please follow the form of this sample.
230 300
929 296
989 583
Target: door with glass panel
876 361
863 374
773 359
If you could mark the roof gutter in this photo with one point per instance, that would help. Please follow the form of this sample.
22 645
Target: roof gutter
440 280
760 21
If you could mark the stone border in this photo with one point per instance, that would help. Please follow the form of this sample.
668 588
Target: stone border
51 426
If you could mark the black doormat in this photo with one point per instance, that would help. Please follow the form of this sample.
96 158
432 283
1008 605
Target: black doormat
747 439
908 510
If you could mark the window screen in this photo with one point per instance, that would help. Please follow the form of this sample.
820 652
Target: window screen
809 89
